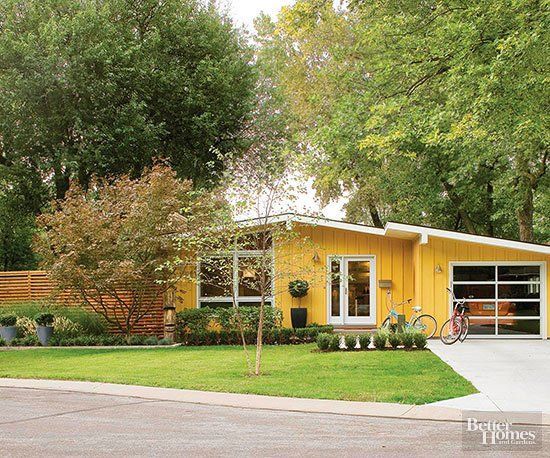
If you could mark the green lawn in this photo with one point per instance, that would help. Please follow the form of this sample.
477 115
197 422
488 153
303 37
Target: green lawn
386 376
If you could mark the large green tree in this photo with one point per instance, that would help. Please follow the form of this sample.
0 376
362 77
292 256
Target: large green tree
429 112
102 87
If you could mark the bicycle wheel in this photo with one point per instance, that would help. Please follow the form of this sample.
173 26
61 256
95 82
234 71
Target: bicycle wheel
450 331
465 327
426 324
386 324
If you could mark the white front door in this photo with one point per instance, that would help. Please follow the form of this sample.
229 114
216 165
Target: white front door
351 290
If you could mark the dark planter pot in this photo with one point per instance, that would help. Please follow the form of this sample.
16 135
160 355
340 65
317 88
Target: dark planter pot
8 333
44 334
298 317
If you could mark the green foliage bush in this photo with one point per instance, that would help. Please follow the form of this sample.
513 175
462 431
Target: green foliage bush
151 340
227 317
334 344
44 319
193 320
65 328
420 340
407 338
8 319
2 342
298 288
364 341
394 340
165 341
323 341
27 341
351 341
379 339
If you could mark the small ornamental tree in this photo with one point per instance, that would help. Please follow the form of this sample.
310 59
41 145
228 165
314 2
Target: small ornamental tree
121 245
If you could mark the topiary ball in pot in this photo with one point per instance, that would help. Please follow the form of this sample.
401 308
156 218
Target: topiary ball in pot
298 288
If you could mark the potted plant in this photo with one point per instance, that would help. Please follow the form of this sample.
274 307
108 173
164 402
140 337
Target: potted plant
44 328
8 330
298 289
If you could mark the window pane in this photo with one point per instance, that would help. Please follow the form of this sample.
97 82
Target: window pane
217 304
474 291
480 308
216 277
335 287
474 273
482 327
519 273
518 327
519 291
510 308
251 280
254 304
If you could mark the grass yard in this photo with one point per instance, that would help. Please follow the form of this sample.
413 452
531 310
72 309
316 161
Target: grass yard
300 371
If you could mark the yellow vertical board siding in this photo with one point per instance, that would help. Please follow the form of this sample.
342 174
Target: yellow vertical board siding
394 261
430 290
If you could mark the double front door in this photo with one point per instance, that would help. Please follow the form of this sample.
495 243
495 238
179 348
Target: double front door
351 290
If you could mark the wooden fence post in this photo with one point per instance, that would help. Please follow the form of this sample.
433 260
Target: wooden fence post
170 314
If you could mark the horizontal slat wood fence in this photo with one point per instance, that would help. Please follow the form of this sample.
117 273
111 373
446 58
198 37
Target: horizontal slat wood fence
34 285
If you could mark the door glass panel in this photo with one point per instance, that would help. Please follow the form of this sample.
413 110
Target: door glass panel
511 308
475 291
335 287
474 273
518 273
519 327
482 327
358 288
480 308
519 291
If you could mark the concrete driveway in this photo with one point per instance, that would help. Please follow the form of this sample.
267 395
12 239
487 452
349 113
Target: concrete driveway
511 375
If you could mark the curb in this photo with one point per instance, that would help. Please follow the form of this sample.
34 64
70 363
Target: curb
251 401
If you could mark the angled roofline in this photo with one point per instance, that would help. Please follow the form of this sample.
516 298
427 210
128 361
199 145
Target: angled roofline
401 230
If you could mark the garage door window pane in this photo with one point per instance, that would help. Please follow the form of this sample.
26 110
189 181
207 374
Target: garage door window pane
482 327
480 308
519 291
511 308
475 291
507 326
474 273
518 273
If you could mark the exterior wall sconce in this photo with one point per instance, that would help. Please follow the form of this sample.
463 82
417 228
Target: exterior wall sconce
316 258
438 269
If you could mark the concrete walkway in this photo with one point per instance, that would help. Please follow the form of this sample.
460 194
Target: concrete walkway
511 375
251 401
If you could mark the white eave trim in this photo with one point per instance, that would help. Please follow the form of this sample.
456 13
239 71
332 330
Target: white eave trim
399 230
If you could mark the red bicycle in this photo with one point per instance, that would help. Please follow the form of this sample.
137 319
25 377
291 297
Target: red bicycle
456 327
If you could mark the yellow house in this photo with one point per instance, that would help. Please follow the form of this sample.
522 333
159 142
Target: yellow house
355 269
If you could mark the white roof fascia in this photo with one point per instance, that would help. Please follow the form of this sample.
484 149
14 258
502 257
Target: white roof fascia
425 233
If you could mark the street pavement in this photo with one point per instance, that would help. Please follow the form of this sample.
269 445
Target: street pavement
36 422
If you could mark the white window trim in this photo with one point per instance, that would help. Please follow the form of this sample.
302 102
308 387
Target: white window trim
543 297
239 299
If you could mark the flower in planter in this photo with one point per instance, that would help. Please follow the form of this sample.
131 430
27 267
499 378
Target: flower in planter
44 319
298 288
8 320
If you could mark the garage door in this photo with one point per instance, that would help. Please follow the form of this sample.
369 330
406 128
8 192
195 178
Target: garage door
503 299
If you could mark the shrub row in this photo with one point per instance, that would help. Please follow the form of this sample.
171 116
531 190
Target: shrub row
275 336
380 340
200 320
88 341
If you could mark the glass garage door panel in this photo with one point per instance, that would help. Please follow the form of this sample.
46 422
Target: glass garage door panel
501 300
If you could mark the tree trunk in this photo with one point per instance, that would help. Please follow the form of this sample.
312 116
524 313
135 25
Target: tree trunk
525 215
260 338
457 202
375 216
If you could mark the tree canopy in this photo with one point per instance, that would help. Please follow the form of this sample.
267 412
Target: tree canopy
426 112
103 87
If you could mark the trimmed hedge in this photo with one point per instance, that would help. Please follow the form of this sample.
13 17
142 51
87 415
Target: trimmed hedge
380 340
275 336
